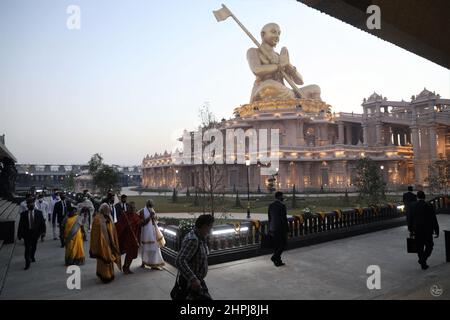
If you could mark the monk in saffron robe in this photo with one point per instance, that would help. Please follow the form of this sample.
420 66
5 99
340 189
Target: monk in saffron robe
104 244
129 232
73 238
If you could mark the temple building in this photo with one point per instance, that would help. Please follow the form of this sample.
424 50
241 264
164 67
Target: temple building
319 149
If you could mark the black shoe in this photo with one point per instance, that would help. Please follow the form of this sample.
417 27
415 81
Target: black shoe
280 264
27 266
33 260
424 266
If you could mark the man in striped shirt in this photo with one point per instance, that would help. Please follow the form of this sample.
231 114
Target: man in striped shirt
192 260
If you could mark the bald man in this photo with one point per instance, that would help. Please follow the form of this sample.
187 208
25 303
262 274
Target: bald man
266 65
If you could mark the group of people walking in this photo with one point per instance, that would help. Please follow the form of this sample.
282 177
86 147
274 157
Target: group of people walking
119 229
115 229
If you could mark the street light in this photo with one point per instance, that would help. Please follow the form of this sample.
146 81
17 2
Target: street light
247 163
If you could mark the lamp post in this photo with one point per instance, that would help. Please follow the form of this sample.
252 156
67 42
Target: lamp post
247 163
176 178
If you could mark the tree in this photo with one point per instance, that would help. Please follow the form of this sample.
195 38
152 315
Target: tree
188 193
104 177
271 183
69 183
211 173
294 198
439 176
369 181
95 163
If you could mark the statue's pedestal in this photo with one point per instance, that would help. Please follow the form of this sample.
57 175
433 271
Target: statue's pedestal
300 105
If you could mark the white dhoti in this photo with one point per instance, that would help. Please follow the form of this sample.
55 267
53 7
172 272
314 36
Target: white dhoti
150 251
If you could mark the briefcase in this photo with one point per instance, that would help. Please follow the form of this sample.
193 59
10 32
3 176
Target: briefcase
411 245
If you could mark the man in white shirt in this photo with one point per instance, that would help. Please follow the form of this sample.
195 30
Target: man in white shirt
43 206
86 210
54 199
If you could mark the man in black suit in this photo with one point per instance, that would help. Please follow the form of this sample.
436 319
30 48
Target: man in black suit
59 213
278 227
408 199
31 227
122 206
424 223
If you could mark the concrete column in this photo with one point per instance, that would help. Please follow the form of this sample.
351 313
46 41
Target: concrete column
365 136
323 135
402 138
433 142
348 134
379 126
441 138
415 142
301 136
340 132
318 134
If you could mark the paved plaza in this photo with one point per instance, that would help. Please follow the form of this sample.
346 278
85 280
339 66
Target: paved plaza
331 270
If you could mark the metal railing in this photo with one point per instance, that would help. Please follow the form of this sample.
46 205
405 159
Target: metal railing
250 233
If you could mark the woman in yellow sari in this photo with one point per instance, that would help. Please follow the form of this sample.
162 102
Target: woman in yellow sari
73 238
104 244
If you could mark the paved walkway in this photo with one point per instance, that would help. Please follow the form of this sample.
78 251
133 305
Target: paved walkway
331 270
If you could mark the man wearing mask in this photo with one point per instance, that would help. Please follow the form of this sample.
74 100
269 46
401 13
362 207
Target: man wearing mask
59 213
43 206
31 226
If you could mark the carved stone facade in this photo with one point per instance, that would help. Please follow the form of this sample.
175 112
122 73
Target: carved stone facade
319 149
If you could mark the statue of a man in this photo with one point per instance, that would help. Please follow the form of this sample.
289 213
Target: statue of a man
267 64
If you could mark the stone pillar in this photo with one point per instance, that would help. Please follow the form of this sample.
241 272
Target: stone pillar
340 132
402 138
408 137
365 136
433 147
307 173
379 126
441 138
349 134
323 135
415 141
301 136
300 173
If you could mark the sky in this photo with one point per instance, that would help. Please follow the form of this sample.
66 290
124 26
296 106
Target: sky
137 72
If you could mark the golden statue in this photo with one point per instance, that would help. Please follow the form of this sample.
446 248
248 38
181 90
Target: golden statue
271 69
268 67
